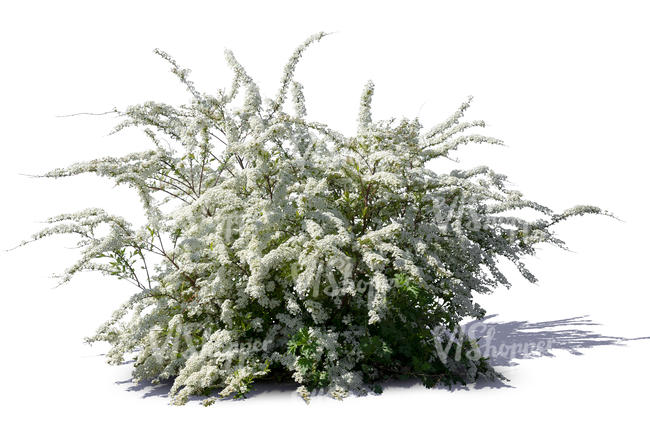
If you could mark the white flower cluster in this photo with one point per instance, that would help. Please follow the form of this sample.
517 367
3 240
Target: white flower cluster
272 243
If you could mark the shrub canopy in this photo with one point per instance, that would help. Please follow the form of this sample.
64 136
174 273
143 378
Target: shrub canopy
277 248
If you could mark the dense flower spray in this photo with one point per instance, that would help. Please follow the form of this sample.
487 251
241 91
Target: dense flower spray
276 248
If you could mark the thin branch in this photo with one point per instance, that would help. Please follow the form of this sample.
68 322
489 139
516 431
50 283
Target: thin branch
87 114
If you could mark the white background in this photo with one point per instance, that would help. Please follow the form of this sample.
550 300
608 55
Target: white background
564 84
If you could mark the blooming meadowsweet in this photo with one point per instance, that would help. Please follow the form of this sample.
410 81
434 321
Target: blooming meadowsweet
275 248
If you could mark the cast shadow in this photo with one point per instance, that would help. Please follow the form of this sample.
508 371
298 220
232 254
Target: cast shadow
503 342
506 342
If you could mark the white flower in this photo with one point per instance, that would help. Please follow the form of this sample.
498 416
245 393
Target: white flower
270 241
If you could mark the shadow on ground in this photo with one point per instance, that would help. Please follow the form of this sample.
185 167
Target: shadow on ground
503 342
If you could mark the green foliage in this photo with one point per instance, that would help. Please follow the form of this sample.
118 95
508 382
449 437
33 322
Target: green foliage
309 365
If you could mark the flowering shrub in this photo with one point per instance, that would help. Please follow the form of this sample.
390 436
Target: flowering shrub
276 248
